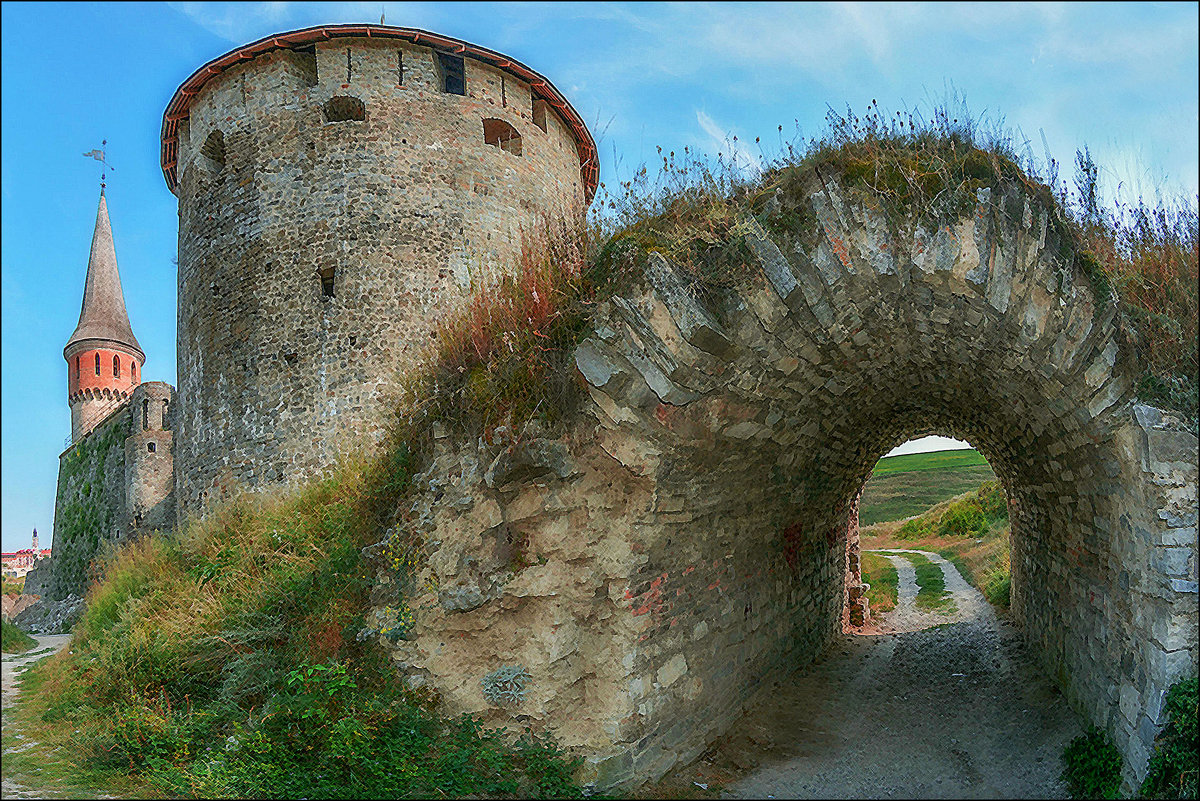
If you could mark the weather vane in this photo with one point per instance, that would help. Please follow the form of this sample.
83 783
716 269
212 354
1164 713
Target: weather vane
99 156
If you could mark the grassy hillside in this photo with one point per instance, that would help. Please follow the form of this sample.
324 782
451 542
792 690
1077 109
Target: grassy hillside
934 460
903 486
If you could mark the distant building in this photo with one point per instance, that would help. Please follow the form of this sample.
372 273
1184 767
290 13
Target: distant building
17 563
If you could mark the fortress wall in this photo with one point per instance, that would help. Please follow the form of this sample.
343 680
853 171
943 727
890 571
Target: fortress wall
90 504
648 604
404 210
688 536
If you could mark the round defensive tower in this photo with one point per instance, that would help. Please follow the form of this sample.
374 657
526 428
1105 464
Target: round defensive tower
340 188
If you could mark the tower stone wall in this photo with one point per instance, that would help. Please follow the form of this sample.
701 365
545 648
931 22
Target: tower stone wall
149 459
334 201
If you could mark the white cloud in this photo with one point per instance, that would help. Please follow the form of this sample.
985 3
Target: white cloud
236 22
722 141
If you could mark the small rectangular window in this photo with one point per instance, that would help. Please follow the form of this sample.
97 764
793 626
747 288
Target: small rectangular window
454 81
151 447
399 68
503 92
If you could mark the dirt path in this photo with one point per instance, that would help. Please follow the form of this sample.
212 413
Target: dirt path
949 706
11 668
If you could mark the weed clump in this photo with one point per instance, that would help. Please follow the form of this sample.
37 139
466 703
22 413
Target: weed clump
1092 766
226 661
1172 770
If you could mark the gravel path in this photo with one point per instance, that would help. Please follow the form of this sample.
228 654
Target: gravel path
948 706
11 668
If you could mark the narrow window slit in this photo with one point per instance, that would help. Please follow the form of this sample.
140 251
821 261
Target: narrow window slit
539 113
326 275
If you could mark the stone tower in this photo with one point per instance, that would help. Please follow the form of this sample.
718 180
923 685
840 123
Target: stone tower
35 542
104 359
339 188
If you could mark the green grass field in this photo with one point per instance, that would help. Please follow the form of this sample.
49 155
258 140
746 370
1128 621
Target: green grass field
934 460
903 486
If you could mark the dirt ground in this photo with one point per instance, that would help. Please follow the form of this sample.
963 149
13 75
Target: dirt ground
933 706
10 673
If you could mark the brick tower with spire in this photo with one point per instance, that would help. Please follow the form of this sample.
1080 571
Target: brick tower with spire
116 477
104 359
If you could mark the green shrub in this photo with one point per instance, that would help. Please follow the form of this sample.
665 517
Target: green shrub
915 529
1092 765
1172 769
963 519
13 640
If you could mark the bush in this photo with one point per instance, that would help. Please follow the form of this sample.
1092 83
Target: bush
992 501
1092 765
963 518
1172 769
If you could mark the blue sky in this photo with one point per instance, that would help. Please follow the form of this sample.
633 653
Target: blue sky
1119 78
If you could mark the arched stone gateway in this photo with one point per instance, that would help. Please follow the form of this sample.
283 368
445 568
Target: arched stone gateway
684 544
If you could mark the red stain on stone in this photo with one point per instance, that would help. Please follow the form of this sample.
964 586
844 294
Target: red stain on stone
662 412
688 570
839 248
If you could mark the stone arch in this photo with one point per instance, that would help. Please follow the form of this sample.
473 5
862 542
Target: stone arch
212 152
501 134
740 425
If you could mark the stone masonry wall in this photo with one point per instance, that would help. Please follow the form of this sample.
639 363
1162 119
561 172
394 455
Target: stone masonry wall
654 568
404 211
90 504
645 624
149 460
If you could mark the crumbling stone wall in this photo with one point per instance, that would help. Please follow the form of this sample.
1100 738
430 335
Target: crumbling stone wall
686 540
316 256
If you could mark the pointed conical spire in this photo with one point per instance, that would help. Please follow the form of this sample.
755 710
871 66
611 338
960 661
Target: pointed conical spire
103 317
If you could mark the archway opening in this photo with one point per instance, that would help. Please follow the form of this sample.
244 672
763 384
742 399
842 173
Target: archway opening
931 504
